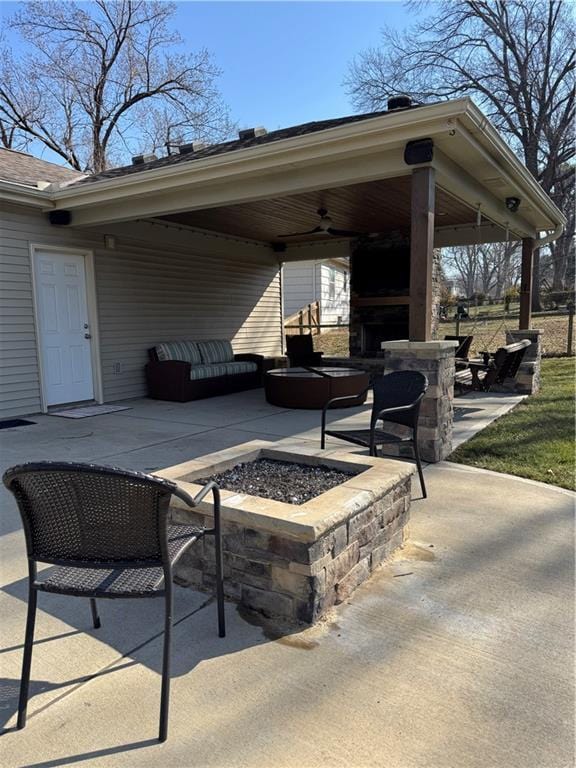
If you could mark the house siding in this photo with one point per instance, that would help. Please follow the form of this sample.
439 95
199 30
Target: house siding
299 285
307 281
160 283
337 308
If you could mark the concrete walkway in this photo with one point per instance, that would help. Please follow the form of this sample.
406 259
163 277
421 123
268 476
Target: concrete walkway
458 654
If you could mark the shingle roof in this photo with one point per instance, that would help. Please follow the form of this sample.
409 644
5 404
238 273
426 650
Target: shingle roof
23 168
230 146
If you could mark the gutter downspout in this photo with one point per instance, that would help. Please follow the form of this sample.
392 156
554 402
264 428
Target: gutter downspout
550 237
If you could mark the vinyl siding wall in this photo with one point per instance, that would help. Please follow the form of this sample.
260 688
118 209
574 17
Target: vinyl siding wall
308 281
160 283
299 285
337 306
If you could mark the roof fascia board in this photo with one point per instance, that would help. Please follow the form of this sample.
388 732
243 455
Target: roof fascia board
21 195
231 191
361 136
507 161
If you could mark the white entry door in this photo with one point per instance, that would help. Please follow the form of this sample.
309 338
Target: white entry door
63 327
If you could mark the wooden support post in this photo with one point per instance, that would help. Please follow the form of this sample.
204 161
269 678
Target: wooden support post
526 284
421 254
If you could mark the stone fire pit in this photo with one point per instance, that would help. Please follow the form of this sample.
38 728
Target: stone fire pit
294 561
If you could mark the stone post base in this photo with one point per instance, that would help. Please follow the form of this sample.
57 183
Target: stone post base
435 359
527 381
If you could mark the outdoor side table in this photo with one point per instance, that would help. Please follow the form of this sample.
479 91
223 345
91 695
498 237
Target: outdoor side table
311 388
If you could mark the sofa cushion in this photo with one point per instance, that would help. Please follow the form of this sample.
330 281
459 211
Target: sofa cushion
179 350
199 372
217 351
240 366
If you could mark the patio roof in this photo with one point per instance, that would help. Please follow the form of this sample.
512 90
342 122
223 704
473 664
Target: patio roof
353 166
440 174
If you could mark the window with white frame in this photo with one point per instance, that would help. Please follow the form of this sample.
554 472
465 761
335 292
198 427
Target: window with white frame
331 283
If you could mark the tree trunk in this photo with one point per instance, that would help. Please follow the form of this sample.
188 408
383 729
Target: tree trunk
536 302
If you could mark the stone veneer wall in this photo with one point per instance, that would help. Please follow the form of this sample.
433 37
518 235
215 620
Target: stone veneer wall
294 580
527 381
436 290
435 359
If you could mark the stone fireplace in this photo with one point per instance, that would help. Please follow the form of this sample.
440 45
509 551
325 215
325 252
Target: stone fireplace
379 294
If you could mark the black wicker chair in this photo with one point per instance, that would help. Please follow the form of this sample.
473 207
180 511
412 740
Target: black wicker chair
397 399
300 351
108 533
462 351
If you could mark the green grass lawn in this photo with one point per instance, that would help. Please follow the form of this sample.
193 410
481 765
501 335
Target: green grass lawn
536 439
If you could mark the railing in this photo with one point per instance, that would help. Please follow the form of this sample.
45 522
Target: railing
306 318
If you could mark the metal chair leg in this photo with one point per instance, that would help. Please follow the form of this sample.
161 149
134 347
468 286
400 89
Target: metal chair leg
95 617
220 585
27 659
419 465
165 692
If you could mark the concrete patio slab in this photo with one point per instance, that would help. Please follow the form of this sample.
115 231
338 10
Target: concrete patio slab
88 439
459 653
463 648
475 410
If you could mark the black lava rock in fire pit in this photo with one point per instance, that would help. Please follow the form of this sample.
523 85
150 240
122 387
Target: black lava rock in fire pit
284 481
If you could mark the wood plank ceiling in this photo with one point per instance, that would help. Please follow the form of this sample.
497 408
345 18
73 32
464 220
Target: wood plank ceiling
370 207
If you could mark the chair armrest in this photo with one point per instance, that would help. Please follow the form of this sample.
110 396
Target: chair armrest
329 405
249 357
345 397
478 365
193 501
399 408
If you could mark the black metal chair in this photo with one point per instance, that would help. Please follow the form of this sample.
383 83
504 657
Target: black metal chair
397 400
108 533
462 351
300 351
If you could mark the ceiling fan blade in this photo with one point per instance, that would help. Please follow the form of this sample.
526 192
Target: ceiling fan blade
344 232
300 234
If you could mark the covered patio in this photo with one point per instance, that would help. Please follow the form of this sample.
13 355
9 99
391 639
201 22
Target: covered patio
193 243
429 176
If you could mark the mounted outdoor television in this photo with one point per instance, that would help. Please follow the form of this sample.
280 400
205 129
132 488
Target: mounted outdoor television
381 270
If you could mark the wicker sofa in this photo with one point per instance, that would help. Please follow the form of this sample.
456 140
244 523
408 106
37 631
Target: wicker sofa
189 370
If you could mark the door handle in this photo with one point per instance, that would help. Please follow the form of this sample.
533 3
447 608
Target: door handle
87 336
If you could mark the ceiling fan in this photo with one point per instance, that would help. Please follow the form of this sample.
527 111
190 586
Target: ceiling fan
325 228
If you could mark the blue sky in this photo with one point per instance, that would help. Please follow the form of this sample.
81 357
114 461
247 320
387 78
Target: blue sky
284 62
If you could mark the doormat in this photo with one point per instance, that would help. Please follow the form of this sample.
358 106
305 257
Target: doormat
89 410
9 423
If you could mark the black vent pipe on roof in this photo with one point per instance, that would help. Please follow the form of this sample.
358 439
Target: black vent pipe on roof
399 102
141 159
252 133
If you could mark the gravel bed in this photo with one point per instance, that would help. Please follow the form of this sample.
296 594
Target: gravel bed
280 480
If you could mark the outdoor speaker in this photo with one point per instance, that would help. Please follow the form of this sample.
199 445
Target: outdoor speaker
59 218
420 151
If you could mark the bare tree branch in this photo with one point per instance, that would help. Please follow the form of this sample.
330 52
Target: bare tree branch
88 69
514 57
